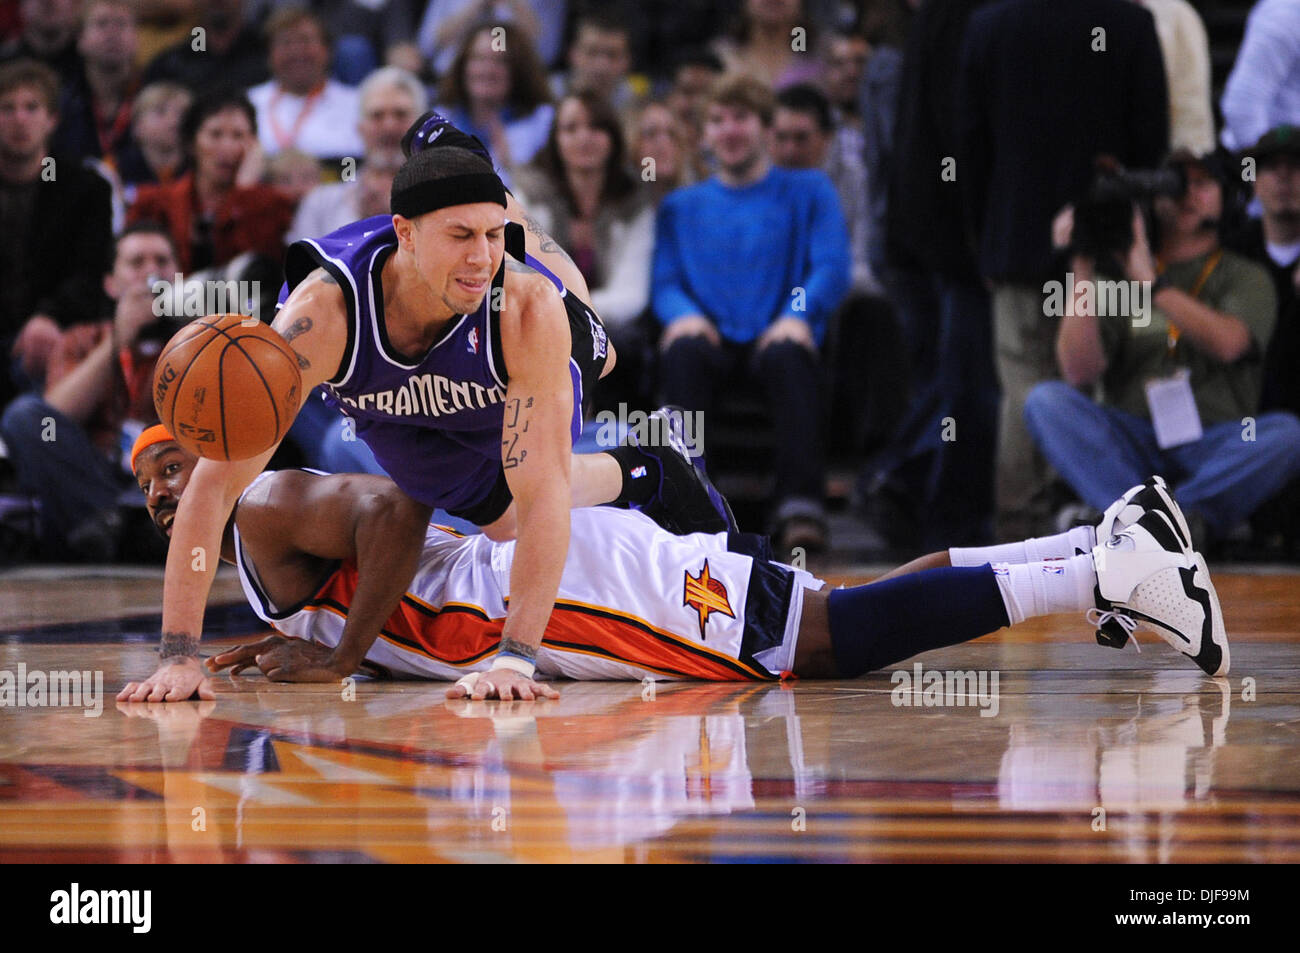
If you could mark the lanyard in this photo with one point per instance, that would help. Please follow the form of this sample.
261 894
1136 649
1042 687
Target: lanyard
287 141
110 135
1197 286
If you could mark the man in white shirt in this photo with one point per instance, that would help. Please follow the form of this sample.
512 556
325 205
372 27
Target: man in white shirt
1263 89
390 100
300 107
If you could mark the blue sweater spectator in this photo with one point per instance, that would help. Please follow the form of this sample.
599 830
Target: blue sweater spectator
740 255
748 267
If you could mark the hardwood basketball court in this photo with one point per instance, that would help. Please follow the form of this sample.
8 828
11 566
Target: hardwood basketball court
1080 753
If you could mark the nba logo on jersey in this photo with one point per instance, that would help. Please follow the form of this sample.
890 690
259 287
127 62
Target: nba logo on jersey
637 472
473 341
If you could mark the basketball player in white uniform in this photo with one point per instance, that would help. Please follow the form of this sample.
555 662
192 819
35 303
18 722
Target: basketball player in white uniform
636 601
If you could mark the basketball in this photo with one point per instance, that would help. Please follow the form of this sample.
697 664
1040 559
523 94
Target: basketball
227 390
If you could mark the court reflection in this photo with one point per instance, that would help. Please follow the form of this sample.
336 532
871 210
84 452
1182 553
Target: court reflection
625 772
409 775
1150 751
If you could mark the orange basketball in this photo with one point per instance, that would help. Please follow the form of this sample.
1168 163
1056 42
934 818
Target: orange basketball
225 389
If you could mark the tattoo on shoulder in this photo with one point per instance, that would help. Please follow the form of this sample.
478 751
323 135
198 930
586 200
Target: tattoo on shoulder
178 645
326 278
519 266
545 242
532 225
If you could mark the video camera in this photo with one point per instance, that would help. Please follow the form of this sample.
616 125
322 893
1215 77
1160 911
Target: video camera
1103 218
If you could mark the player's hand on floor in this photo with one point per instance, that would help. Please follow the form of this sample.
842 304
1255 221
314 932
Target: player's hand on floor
282 659
243 656
500 683
178 717
175 681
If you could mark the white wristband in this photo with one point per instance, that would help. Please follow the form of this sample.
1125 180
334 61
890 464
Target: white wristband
524 667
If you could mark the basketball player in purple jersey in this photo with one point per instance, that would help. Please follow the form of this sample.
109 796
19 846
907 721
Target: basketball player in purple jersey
464 371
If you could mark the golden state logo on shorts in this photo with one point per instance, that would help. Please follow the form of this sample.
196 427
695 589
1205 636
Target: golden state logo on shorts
705 595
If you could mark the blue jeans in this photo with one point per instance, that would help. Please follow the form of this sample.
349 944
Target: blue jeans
59 464
944 450
1101 452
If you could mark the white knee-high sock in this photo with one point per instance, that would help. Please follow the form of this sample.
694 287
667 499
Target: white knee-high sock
1037 548
1046 587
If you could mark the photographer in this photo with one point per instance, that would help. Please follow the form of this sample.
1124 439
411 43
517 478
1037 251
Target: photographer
1179 374
66 444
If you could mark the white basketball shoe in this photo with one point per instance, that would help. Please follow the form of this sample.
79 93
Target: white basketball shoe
1128 509
1148 576
1153 494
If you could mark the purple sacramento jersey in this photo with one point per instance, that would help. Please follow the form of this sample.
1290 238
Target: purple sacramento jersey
434 422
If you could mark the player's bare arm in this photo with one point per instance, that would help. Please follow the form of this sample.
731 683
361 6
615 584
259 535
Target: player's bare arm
547 250
539 244
294 525
535 452
314 321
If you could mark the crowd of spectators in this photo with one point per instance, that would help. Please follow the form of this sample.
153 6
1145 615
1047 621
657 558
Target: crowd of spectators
849 212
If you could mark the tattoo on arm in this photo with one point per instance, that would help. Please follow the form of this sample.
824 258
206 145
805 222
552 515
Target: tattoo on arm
511 460
545 242
515 647
512 430
327 278
299 327
178 645
531 224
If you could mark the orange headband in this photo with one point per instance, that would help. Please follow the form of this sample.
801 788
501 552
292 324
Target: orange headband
155 434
